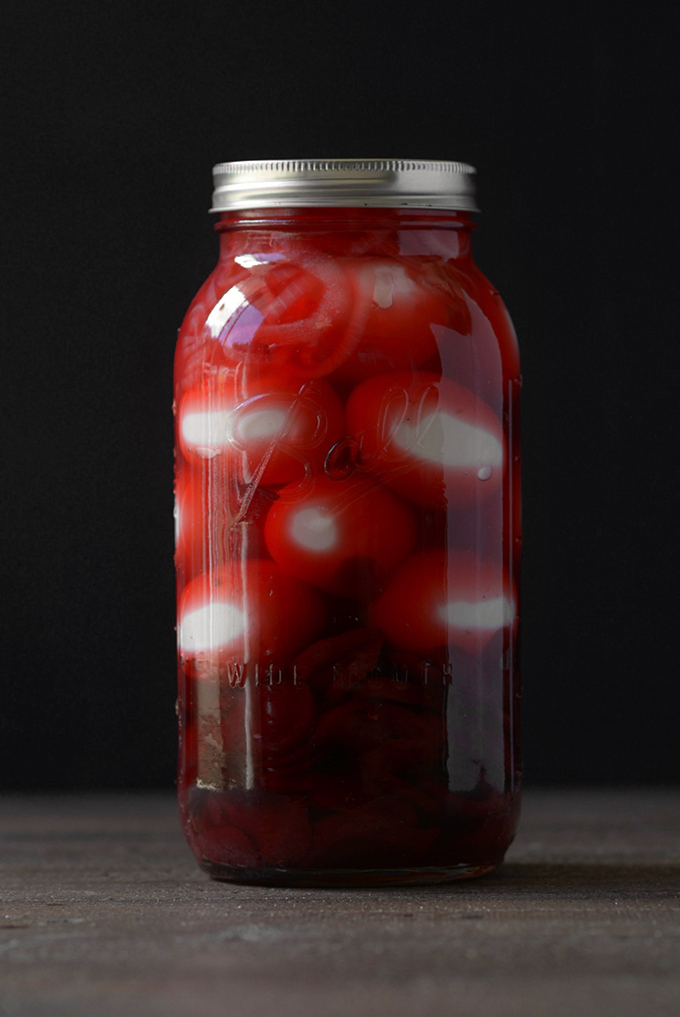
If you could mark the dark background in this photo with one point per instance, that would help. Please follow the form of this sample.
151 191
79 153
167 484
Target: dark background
114 117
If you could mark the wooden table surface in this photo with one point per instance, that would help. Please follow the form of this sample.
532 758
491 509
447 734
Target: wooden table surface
104 914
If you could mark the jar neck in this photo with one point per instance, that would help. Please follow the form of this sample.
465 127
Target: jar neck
360 230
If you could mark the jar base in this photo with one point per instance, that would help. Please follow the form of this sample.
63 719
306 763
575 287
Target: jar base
329 878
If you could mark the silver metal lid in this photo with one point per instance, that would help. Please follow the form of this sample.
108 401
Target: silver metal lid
391 183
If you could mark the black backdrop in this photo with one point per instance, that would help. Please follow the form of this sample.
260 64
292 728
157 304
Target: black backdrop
114 116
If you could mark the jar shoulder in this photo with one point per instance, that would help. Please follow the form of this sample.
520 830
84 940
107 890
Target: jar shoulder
491 314
346 314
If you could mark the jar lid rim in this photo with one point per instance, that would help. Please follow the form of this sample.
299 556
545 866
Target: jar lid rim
420 183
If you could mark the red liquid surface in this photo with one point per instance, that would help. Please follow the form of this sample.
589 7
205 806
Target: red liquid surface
348 534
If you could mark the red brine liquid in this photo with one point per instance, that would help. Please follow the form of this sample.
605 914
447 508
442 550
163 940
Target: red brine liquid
348 535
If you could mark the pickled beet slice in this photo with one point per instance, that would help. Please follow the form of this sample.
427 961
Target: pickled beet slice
431 698
369 837
398 757
229 846
286 714
324 791
362 725
339 660
213 835
476 829
424 794
276 825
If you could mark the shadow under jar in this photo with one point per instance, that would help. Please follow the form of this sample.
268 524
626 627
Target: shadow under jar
348 533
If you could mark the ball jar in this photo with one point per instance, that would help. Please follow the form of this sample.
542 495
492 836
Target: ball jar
348 533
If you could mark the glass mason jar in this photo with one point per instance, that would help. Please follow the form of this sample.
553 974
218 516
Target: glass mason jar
348 533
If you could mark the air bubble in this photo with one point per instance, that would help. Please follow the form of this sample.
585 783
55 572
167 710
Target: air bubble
485 473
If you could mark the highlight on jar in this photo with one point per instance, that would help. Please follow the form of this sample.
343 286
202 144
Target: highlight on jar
347 527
